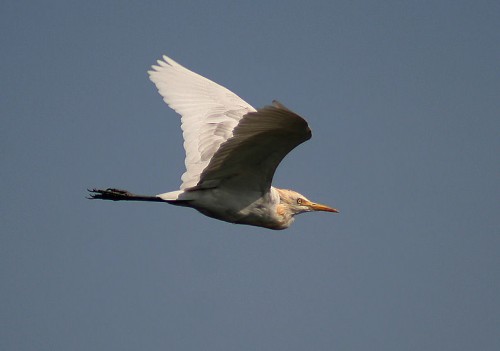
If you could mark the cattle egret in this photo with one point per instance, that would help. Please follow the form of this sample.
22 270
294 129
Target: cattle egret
232 151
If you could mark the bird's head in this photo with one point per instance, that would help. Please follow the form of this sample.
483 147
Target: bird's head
295 203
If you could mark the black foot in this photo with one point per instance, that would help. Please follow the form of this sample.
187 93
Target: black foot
109 194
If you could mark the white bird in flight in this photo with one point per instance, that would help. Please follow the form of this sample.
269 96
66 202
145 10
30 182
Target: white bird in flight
232 152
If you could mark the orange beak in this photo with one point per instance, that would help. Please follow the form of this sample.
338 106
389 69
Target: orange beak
319 207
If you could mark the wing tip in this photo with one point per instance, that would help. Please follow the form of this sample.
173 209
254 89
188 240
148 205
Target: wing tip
164 62
279 105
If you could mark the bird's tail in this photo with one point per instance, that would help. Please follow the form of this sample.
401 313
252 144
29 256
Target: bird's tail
172 195
177 197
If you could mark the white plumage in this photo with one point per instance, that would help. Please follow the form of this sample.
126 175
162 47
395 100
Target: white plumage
209 113
232 151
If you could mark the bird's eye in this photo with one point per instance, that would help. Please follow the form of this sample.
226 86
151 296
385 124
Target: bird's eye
299 201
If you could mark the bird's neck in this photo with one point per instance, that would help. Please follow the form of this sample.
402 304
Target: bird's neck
279 198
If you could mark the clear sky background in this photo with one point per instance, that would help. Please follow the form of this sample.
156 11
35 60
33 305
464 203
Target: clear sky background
403 101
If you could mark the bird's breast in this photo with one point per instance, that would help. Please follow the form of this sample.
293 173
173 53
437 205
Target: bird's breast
241 208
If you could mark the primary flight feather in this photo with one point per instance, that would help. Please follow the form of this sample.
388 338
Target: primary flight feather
232 152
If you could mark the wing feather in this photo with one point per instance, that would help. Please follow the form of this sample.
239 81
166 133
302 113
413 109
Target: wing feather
248 160
227 142
209 113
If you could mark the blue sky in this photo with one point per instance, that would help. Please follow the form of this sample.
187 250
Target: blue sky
402 98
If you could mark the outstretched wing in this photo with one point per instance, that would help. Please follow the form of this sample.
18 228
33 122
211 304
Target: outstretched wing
209 113
247 161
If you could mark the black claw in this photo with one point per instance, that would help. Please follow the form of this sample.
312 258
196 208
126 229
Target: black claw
108 194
